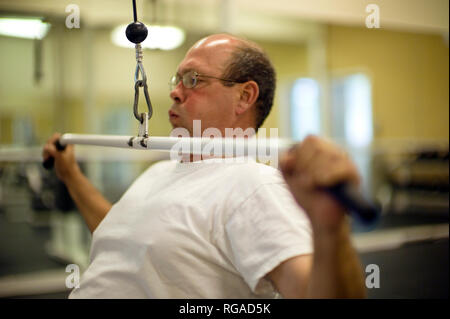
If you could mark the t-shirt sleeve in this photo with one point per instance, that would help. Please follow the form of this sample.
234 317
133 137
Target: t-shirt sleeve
267 228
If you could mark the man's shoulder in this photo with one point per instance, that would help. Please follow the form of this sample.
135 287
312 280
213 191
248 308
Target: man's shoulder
255 173
161 165
154 168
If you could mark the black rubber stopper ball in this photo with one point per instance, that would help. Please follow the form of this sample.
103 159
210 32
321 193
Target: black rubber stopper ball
136 32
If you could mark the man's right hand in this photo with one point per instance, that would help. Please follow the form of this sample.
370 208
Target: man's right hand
65 163
90 202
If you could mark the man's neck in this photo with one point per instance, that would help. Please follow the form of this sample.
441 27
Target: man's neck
190 158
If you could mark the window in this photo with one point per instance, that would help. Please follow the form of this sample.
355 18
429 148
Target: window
352 110
351 123
305 108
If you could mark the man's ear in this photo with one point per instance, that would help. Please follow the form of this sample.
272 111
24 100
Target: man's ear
249 93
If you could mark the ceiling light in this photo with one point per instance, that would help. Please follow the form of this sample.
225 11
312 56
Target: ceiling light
28 28
159 37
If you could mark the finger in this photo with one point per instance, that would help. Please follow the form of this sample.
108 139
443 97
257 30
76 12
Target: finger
305 158
305 153
299 159
331 169
345 173
55 136
49 150
287 163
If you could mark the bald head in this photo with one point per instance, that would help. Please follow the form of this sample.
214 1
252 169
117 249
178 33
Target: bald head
223 41
217 49
240 61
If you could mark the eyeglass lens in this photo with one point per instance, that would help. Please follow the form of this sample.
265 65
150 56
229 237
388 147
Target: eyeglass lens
189 80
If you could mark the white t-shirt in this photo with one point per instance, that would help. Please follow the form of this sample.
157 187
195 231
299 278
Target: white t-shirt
209 229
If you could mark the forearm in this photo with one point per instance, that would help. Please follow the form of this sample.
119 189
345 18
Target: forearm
336 271
90 202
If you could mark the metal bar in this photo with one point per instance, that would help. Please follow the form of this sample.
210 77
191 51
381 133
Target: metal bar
184 145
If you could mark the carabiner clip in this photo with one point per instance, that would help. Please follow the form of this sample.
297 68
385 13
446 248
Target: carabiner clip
141 83
139 117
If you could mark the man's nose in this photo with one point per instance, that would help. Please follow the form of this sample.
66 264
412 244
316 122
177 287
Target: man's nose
177 93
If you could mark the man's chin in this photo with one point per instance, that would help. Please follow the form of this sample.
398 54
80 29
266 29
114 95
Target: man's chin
173 121
176 125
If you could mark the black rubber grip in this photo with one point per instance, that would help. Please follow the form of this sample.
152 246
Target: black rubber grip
350 197
50 162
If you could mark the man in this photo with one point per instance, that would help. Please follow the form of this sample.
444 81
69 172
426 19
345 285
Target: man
218 229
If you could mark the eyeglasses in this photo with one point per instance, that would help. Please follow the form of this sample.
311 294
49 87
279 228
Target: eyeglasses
190 79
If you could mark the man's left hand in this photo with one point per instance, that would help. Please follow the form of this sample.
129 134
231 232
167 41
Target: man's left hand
308 169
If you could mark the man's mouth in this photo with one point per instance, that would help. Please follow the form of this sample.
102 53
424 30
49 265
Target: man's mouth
172 114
